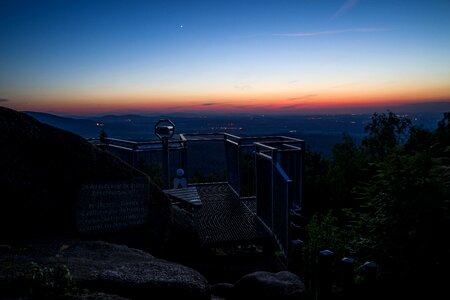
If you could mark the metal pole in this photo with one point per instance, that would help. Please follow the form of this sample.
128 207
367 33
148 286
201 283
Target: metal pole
239 171
302 177
165 147
184 159
347 277
164 130
324 278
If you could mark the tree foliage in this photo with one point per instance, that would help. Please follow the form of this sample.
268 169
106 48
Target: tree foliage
384 133
392 193
316 184
103 136
346 169
403 210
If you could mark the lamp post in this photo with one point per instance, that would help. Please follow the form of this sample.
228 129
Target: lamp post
164 130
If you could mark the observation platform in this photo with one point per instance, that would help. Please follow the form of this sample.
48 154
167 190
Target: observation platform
262 182
224 218
186 197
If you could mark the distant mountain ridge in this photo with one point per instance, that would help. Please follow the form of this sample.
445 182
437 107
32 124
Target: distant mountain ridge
83 127
320 132
43 168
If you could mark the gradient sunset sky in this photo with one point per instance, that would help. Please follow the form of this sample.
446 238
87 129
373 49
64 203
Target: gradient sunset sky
300 56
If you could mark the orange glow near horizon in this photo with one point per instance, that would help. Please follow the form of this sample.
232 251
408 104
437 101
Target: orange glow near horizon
228 57
266 104
269 98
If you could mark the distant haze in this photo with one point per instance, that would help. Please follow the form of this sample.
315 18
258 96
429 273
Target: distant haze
419 107
320 132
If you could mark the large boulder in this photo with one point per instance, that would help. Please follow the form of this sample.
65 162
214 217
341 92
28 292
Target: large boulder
43 169
223 290
183 244
102 267
266 285
97 296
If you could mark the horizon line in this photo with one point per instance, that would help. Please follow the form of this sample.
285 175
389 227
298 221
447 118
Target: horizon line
411 107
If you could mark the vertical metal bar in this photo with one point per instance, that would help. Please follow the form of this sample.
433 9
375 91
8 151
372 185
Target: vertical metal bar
286 220
165 151
296 257
274 161
184 159
256 179
370 279
134 156
272 192
227 160
239 165
302 174
324 282
347 273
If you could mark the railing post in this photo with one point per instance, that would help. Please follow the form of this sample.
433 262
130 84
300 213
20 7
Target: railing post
184 158
324 278
302 172
311 271
239 166
272 175
370 277
347 274
134 155
165 160
295 258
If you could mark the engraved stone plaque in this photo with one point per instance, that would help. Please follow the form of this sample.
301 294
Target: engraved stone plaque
110 207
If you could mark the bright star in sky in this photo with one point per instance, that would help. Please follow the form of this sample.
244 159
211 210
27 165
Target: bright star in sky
278 56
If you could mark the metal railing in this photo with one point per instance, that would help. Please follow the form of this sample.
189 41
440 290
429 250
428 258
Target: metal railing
268 167
279 173
225 154
133 152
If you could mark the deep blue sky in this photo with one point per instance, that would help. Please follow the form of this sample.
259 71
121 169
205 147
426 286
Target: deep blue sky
77 56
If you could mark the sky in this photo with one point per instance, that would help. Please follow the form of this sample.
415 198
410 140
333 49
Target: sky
84 57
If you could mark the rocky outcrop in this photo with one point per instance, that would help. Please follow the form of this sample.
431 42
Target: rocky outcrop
97 296
223 290
266 285
42 169
262 285
183 236
112 269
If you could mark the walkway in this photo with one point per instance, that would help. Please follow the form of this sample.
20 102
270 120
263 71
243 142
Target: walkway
224 219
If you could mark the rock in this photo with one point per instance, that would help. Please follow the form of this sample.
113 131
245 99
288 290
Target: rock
182 220
42 171
183 236
97 296
108 268
266 285
223 290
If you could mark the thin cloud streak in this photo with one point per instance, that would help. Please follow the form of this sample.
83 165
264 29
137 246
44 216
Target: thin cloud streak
3 100
348 5
330 32
302 97
209 104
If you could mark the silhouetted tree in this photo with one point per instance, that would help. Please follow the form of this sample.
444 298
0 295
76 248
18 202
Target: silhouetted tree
103 136
316 183
405 208
395 190
385 132
419 140
442 133
346 169
154 170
